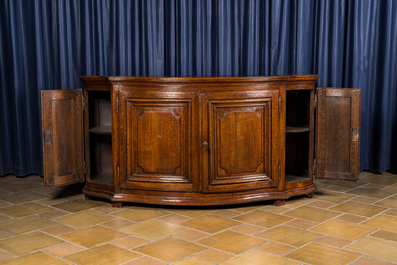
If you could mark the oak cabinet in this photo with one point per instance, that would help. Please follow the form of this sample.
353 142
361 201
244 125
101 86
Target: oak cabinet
199 141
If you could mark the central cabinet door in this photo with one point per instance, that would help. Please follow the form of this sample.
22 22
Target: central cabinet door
157 140
240 140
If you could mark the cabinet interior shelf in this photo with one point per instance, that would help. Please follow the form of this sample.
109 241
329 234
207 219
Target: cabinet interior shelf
101 130
296 178
294 129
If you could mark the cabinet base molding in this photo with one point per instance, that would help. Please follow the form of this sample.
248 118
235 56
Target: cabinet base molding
199 199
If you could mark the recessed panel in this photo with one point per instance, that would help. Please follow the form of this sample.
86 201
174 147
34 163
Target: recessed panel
240 140
160 137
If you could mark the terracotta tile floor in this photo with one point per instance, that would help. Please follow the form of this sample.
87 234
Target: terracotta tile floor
345 223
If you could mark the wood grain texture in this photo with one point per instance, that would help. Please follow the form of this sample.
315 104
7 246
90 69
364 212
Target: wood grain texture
63 137
203 141
338 125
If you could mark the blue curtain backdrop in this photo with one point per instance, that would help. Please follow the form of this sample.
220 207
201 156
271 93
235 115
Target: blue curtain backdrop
49 44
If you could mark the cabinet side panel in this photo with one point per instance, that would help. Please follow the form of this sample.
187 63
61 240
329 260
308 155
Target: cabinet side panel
63 143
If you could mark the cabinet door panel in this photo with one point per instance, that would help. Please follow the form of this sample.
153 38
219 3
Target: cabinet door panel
242 132
63 142
157 128
338 133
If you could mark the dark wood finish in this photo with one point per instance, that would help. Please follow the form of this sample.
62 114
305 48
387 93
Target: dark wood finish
338 133
63 136
190 141
242 130
159 149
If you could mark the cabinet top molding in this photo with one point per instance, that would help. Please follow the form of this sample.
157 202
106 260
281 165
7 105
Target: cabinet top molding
250 79
200 84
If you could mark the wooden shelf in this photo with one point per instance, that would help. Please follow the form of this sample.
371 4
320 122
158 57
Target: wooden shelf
101 130
296 178
293 129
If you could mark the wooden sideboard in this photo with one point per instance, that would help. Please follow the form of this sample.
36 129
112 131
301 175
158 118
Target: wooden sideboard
199 141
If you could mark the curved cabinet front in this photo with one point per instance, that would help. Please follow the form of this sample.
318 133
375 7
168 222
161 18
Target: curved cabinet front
188 141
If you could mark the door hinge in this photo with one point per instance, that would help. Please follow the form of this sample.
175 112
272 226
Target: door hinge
82 101
118 174
117 104
314 167
279 103
315 100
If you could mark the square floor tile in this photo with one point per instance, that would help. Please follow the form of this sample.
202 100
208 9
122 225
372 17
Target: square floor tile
170 249
343 229
385 222
262 218
213 256
191 235
26 224
58 229
140 214
389 202
301 223
226 213
53 214
93 236
36 258
84 219
64 249
358 209
4 256
379 179
276 248
351 218
153 229
24 209
312 214
118 223
317 254
290 235
105 254
190 261
255 257
210 223
335 197
249 229
374 193
232 242
333 241
186 211
372 261
145 261
385 235
78 205
376 247
21 197
29 242
174 218
130 242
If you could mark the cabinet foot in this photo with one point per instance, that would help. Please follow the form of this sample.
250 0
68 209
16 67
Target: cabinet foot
87 198
279 202
310 195
117 204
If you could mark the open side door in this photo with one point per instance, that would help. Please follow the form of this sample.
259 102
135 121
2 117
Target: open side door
63 136
338 133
